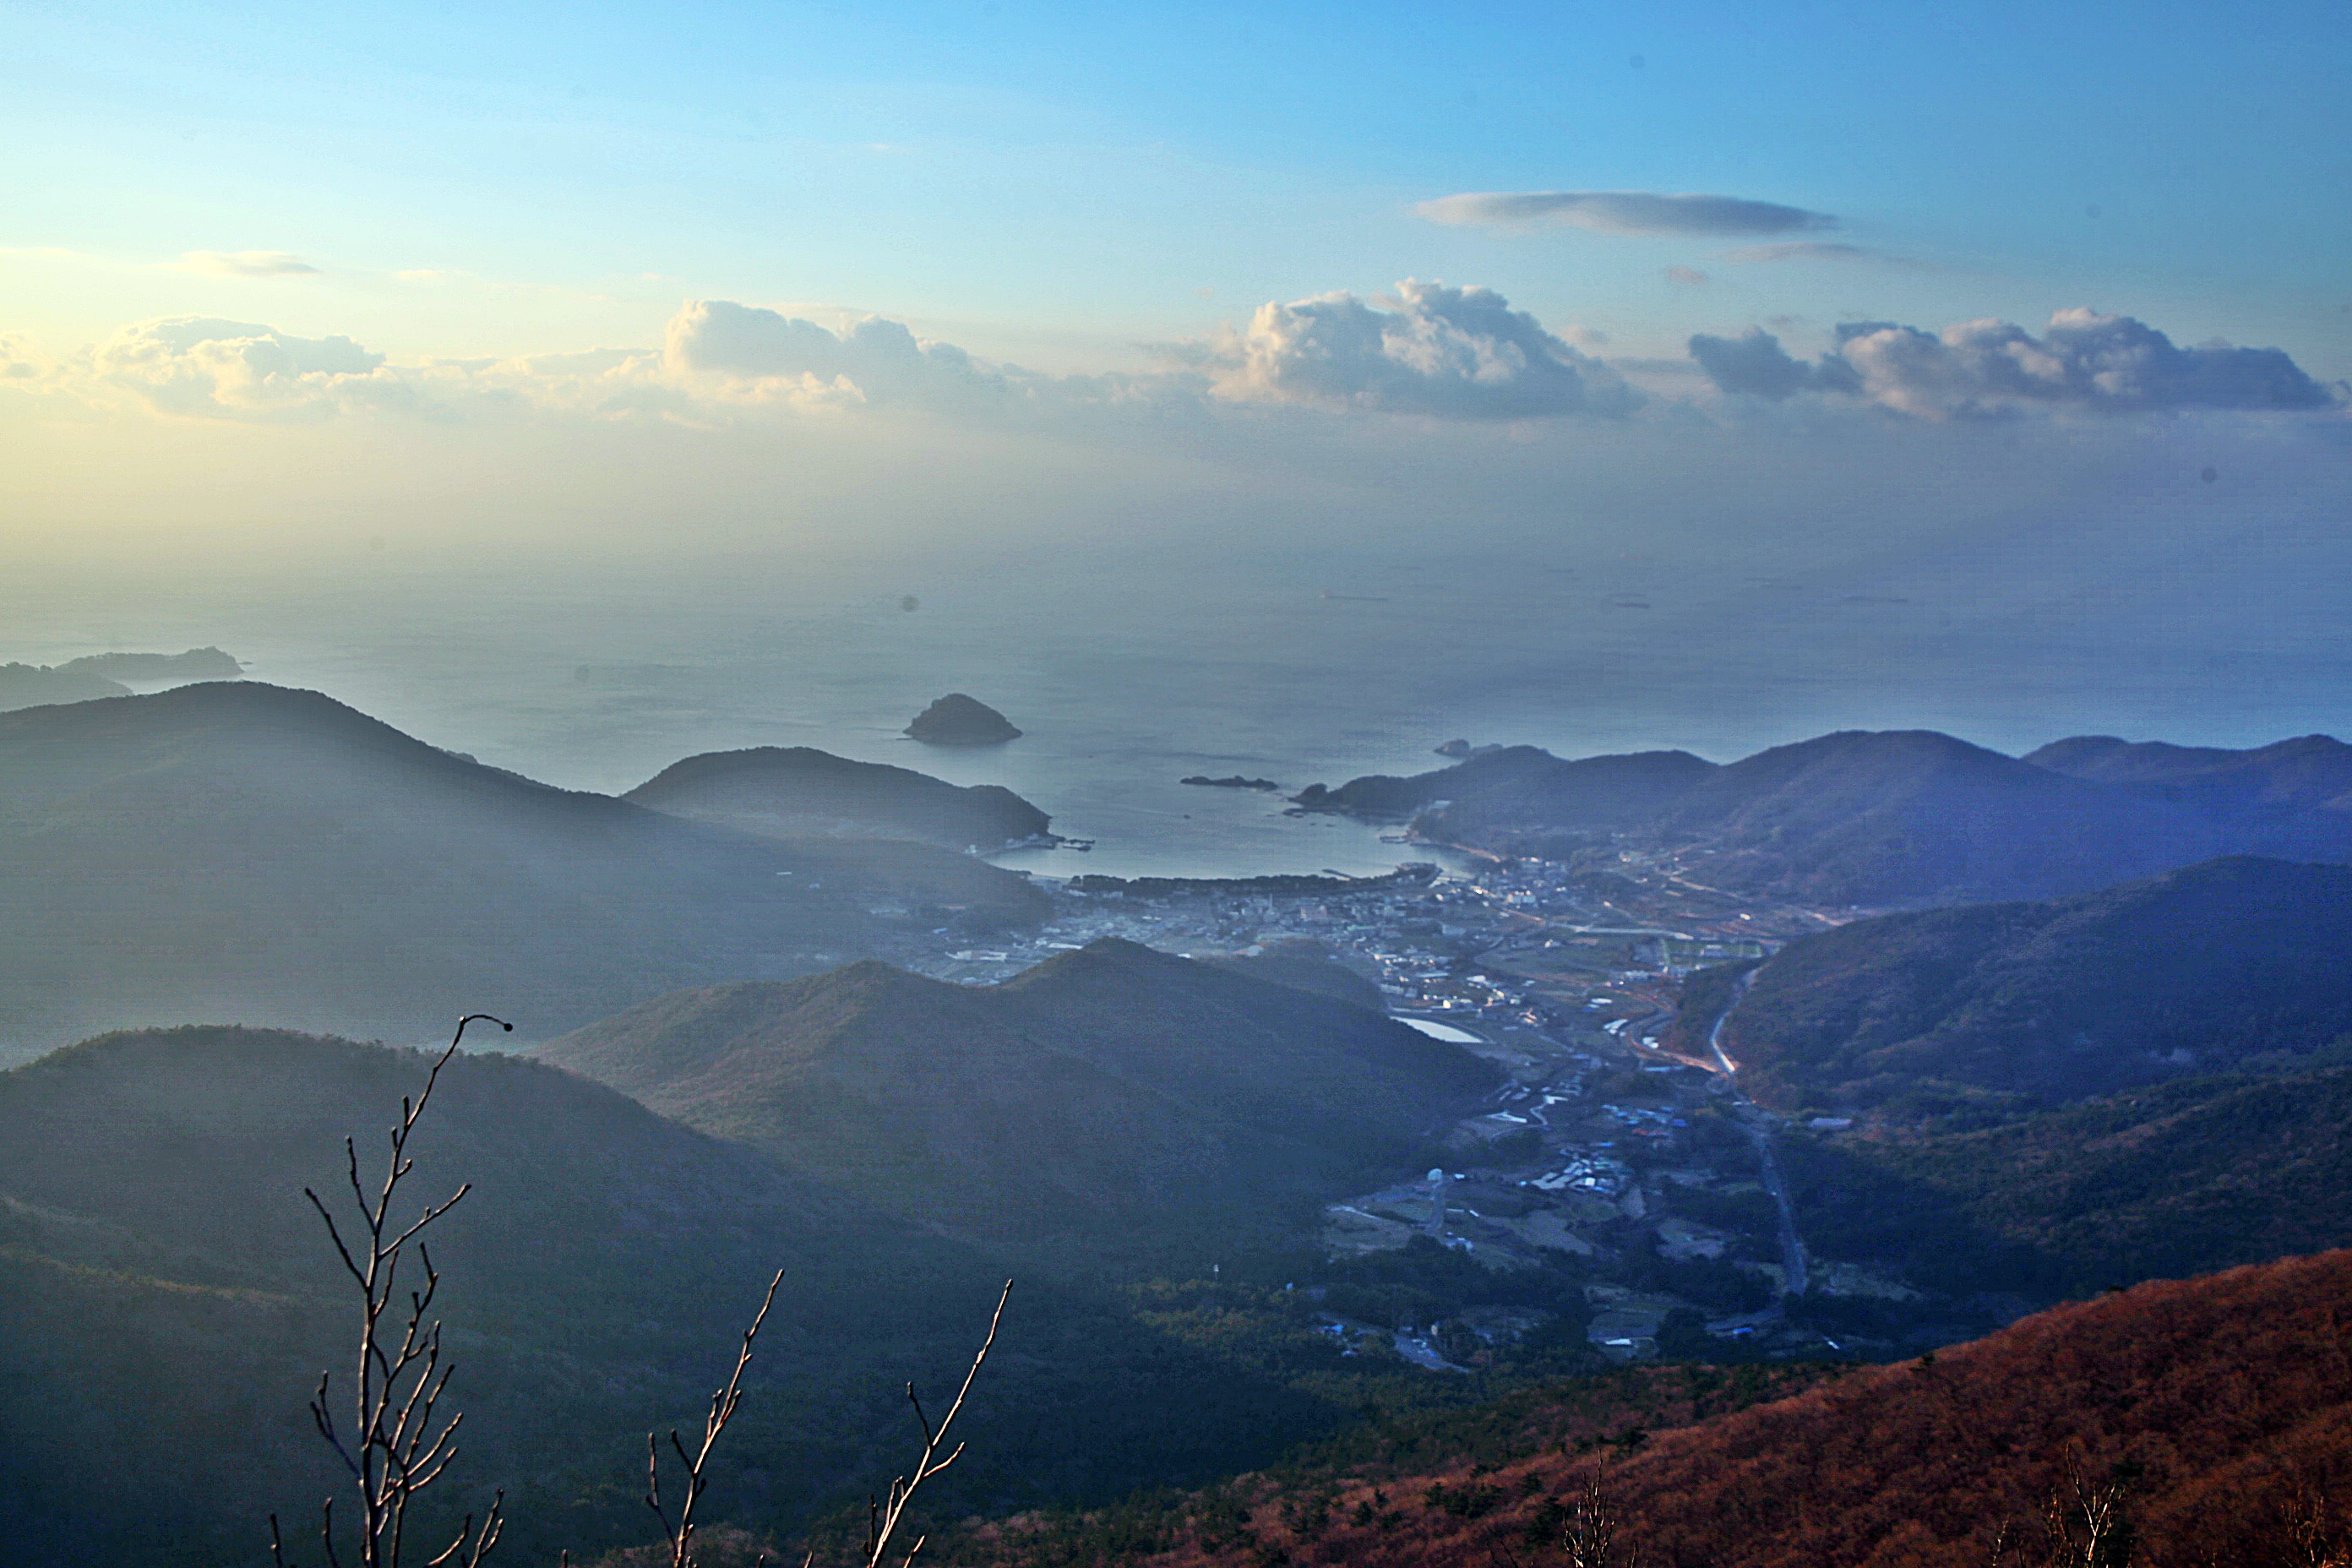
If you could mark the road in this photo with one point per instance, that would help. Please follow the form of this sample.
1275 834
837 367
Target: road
1758 1127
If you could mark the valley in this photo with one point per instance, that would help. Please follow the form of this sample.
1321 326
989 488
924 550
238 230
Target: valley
1159 787
1587 1108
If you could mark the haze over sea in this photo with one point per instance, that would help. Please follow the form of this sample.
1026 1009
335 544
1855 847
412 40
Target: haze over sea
1129 668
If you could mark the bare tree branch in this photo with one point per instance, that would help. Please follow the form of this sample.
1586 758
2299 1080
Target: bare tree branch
389 1442
724 1402
882 1520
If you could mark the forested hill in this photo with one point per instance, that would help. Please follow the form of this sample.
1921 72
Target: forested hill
2222 1406
167 1299
1917 816
1110 1104
1522 786
2006 1005
242 851
1895 817
2310 772
2162 1182
797 791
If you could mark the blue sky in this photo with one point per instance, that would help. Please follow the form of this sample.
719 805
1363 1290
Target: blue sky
2002 350
1054 184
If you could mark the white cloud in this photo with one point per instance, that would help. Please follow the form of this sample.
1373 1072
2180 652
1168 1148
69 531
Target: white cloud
1433 350
1453 353
1622 212
1755 364
873 360
1688 277
200 365
2083 360
19 360
247 264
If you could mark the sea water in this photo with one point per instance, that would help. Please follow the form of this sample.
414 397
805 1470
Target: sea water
1127 674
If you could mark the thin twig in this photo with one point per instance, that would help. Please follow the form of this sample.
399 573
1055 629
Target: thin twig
724 1402
883 1522
392 1446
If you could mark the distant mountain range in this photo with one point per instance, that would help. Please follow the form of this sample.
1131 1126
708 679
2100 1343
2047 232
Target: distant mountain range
1892 817
2002 1006
102 674
1111 1105
241 851
2220 1408
39 685
797 792
1524 785
167 1299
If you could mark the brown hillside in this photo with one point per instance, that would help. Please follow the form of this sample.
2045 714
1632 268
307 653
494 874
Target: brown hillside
2229 1398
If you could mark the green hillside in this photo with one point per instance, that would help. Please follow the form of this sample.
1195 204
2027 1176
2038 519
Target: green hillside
2172 1180
167 1299
798 792
1513 798
1110 1105
237 850
2004 1006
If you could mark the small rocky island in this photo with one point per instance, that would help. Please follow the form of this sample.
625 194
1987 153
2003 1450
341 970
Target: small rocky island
1235 782
956 720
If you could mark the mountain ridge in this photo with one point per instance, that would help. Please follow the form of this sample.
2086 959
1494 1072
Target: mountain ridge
796 791
243 850
2020 1004
1890 819
167 1297
1112 1101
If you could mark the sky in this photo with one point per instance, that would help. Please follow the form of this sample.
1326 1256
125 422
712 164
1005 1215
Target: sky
2009 295
1056 184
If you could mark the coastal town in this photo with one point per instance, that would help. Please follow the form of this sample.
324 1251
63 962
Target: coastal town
1606 1144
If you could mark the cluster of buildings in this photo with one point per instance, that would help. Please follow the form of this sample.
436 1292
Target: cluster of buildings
1563 978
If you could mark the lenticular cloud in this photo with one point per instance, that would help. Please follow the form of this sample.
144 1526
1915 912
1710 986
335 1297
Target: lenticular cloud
1623 212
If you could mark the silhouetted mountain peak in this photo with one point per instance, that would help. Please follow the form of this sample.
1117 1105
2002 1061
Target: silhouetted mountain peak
297 862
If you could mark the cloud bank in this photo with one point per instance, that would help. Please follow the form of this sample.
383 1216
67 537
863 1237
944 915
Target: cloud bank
1645 213
206 366
1429 351
876 360
1432 350
2083 359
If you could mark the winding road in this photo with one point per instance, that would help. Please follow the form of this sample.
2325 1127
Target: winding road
1759 1126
